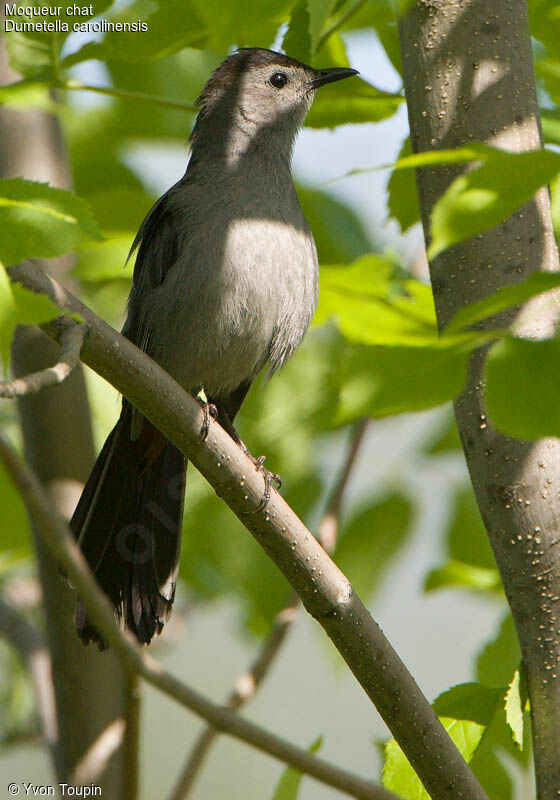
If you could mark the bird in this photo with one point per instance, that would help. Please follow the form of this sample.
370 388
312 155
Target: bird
225 285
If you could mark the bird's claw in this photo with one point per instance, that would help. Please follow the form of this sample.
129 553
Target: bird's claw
209 410
269 478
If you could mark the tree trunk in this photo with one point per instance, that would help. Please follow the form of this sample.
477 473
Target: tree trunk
89 686
469 76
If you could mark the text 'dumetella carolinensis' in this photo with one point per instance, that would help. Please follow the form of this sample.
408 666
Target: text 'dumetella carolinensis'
225 283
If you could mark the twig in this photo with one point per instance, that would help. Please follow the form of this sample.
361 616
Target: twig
246 686
336 26
126 94
71 343
57 536
248 683
94 761
32 648
132 737
326 593
329 524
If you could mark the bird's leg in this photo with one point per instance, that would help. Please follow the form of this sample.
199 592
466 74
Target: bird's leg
269 477
209 410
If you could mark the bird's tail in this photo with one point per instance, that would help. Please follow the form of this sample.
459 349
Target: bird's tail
128 524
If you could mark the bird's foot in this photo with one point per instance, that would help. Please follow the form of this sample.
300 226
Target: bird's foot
269 478
209 410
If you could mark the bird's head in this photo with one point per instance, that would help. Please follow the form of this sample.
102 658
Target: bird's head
257 95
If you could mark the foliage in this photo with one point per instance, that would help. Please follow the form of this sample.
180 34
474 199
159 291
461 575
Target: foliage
375 349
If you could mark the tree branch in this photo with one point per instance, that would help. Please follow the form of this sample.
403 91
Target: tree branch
131 747
94 761
248 682
329 524
71 344
326 593
57 536
246 687
336 26
32 648
127 94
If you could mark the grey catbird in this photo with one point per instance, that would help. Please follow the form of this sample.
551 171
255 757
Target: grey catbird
225 283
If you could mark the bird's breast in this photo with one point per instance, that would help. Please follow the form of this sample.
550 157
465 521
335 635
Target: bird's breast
245 293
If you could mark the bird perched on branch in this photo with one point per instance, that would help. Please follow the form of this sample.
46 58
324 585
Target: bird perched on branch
225 284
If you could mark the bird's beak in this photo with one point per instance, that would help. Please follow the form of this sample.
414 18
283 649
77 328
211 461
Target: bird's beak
323 76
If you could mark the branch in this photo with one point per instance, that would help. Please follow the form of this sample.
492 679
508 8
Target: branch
246 687
57 536
71 343
94 761
336 26
329 524
248 682
32 648
127 94
325 592
132 737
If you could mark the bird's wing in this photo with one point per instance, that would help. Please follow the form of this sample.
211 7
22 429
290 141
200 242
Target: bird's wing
157 246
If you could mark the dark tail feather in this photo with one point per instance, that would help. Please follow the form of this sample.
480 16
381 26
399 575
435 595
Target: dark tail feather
128 524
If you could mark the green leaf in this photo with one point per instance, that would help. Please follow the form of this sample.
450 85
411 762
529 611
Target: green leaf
297 40
544 21
398 775
174 25
499 658
467 539
26 94
255 23
550 119
503 298
339 234
548 71
469 701
446 439
529 372
380 381
16 540
371 540
381 16
106 261
555 205
477 151
36 53
402 195
18 306
371 289
515 705
351 101
288 785
483 198
460 574
39 221
491 773
30 57
319 12
407 366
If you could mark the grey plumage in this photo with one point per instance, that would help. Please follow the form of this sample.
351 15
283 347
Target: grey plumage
225 283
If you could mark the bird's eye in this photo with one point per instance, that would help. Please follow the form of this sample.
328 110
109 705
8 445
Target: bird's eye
278 80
